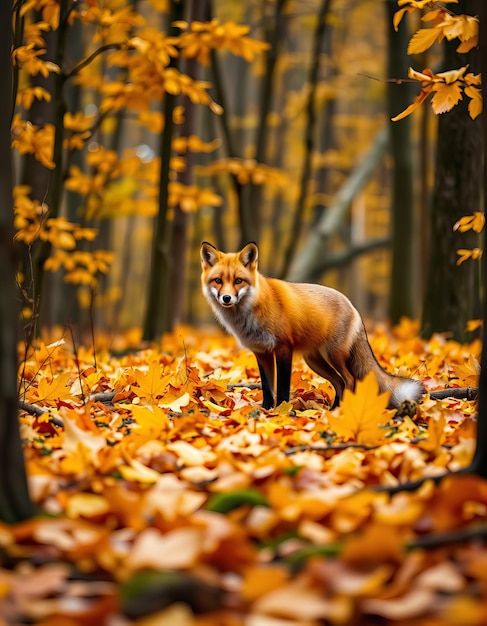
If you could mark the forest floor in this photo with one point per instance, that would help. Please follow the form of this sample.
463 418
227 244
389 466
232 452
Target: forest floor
168 497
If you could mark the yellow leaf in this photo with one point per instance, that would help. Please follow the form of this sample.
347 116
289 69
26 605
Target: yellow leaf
151 420
473 325
363 413
446 97
139 473
436 435
463 255
86 505
475 105
421 97
423 39
50 390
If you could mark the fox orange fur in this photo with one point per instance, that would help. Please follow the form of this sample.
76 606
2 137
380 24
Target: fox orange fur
275 318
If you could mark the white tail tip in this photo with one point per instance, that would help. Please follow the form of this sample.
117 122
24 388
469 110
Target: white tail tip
407 390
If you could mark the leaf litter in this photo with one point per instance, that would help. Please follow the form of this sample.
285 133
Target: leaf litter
180 501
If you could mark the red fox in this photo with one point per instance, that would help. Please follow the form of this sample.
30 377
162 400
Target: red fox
274 318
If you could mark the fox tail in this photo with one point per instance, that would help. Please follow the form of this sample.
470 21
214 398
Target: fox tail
362 360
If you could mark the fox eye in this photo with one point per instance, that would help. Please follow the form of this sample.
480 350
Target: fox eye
238 281
218 281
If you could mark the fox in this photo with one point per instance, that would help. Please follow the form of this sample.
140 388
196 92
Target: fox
274 319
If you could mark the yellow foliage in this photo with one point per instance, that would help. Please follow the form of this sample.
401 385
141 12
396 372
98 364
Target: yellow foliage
464 255
31 139
475 222
25 97
203 37
26 57
49 10
447 87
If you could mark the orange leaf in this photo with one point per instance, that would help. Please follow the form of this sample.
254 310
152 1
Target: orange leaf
364 411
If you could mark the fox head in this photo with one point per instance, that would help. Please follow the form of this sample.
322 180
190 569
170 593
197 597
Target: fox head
228 278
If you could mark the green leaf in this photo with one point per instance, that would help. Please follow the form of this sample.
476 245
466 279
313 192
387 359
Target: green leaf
225 502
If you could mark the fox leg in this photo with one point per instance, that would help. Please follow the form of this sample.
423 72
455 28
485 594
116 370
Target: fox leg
319 365
284 360
266 363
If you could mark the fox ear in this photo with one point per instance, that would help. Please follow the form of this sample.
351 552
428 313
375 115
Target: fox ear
249 255
209 254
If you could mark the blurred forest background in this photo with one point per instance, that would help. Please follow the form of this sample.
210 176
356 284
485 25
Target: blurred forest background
142 127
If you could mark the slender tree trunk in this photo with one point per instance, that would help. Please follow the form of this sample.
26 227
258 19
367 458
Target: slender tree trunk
309 140
402 296
198 11
55 188
156 318
479 464
15 503
252 210
452 291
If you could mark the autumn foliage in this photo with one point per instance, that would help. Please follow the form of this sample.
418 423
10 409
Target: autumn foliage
165 494
162 475
446 88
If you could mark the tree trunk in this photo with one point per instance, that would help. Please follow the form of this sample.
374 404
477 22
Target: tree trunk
56 177
309 140
15 504
198 12
479 463
253 203
452 291
313 251
401 294
157 313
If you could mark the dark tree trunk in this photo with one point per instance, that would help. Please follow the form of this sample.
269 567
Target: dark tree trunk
401 299
198 11
252 208
15 504
479 464
157 313
452 291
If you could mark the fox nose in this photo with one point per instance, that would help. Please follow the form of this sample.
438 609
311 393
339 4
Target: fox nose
226 299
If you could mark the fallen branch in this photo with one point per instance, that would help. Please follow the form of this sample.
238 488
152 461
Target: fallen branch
465 393
437 540
336 446
314 248
37 411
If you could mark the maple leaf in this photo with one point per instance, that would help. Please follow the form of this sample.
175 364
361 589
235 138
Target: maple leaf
151 385
50 390
363 413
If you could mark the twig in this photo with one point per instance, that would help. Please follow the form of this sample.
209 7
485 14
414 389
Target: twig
455 536
398 81
37 411
337 446
105 397
467 393
233 386
82 64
